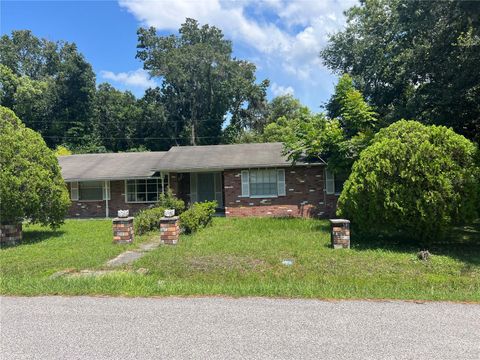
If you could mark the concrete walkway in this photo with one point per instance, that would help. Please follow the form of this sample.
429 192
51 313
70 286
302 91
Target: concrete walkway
247 328
130 256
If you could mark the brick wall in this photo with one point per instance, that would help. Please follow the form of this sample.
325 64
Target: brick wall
304 196
89 209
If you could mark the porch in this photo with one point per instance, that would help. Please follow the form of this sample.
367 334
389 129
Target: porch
194 187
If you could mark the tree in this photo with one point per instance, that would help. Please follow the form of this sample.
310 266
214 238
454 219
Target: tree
414 179
50 85
116 116
61 150
153 128
201 80
348 105
338 139
267 121
31 185
414 59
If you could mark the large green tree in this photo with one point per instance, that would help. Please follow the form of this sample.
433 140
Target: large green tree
31 185
50 85
153 129
414 59
201 81
116 116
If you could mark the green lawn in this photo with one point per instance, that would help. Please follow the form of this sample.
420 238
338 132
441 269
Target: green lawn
243 257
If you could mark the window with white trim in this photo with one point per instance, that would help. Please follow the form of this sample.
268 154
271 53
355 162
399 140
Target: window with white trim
146 190
90 190
334 182
263 182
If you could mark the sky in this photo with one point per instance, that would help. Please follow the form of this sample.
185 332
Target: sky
283 38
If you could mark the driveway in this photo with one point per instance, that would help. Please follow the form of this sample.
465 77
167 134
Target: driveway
223 328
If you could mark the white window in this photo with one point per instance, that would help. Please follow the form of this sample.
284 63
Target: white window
90 190
334 182
146 190
263 182
74 191
329 182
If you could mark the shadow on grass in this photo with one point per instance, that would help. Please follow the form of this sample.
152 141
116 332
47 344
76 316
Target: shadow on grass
31 237
462 243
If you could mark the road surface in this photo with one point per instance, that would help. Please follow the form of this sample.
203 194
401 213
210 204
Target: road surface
247 328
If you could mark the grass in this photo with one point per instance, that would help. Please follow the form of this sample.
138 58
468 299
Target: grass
243 257
78 244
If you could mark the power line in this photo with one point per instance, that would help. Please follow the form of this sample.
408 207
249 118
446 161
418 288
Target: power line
103 122
131 138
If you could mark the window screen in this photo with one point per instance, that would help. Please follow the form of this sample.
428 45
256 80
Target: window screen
90 190
263 182
146 190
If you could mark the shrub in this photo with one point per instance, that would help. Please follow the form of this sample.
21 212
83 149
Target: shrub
168 201
148 220
31 185
198 216
413 179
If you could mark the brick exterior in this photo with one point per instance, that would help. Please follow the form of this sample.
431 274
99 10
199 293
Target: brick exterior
169 230
340 233
123 230
304 196
89 209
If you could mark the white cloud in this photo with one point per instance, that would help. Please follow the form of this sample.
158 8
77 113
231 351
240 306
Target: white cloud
285 36
278 90
229 16
138 78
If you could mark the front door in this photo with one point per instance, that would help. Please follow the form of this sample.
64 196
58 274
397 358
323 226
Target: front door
206 186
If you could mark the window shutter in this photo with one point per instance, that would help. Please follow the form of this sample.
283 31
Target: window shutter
106 190
74 191
329 182
281 182
193 188
245 183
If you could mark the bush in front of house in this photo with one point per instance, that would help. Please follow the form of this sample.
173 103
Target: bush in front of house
148 220
413 179
198 216
31 185
169 201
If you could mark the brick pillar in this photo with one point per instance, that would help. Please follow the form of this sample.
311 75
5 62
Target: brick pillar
340 233
10 234
122 230
169 230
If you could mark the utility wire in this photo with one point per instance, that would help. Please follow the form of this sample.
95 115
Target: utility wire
103 122
131 138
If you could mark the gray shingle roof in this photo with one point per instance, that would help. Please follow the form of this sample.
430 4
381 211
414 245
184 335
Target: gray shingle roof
236 156
121 166
117 166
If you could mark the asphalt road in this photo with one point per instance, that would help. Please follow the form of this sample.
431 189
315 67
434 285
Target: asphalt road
222 328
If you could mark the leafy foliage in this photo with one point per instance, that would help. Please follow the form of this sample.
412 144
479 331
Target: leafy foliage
61 150
49 85
415 179
414 59
198 216
338 138
201 80
31 186
148 220
169 201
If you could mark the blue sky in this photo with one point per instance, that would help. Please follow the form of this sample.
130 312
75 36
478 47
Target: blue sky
281 37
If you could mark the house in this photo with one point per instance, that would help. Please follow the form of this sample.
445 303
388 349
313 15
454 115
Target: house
245 180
